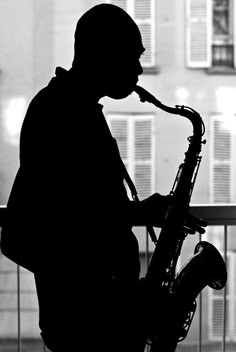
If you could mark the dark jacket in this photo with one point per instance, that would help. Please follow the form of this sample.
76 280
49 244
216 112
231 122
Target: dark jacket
68 211
68 193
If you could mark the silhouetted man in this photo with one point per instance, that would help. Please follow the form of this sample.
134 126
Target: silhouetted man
69 217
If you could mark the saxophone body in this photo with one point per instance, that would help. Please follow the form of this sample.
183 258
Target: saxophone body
178 292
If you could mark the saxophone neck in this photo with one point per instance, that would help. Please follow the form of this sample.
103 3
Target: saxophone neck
182 110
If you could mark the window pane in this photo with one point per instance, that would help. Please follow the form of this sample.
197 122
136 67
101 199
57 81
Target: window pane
221 17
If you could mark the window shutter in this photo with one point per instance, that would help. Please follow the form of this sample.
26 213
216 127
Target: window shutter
143 13
198 33
136 145
234 31
144 17
216 301
143 158
221 161
119 128
217 316
121 3
233 297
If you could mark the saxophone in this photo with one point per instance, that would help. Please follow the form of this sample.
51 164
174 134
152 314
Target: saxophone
178 292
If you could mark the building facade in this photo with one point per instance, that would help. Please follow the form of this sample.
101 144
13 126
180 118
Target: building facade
190 59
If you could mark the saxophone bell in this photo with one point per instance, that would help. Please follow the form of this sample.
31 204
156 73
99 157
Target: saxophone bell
205 268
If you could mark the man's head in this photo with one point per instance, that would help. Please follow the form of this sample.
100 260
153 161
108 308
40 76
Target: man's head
108 43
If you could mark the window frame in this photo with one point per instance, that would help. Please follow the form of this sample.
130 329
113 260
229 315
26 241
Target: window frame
204 25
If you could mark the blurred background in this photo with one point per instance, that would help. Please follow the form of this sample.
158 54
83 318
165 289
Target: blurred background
190 59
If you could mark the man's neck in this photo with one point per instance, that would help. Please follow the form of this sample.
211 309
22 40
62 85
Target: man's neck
87 83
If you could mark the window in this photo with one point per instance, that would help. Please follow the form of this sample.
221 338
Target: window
210 34
222 41
216 301
134 135
143 12
222 178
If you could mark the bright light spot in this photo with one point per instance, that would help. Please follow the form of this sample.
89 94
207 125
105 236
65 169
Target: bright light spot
13 115
226 99
182 95
226 105
229 123
200 95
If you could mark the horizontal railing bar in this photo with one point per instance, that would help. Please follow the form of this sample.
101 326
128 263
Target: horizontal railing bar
2 214
216 214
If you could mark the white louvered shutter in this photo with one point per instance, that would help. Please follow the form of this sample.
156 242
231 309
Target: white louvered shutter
121 3
198 33
233 297
135 141
221 169
143 13
119 128
143 156
234 32
216 305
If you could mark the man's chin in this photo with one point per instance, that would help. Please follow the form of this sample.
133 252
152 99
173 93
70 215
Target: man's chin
121 93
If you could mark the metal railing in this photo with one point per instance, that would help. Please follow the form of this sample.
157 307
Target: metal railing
223 215
216 215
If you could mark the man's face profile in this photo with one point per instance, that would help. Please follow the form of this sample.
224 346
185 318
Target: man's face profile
122 73
109 43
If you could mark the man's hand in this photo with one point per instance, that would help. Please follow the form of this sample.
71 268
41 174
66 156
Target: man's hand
155 207
194 224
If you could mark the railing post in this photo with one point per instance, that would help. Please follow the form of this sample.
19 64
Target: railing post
200 315
225 291
147 255
147 252
18 311
200 324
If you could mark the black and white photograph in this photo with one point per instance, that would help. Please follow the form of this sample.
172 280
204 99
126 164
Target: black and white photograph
117 175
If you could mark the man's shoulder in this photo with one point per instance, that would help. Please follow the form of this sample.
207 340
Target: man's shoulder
61 97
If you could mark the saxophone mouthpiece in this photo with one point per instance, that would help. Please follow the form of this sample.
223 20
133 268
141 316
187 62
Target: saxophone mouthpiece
138 90
144 95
